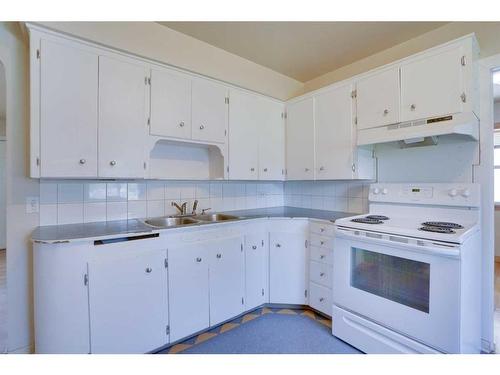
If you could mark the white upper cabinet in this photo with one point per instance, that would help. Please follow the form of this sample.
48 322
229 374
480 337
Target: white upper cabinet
300 140
334 132
377 99
433 85
68 111
122 118
244 129
170 104
209 111
272 140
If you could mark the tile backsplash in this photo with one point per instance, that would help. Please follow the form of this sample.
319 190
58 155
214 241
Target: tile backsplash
70 202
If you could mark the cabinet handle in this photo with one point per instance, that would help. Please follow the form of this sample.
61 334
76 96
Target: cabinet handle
254 247
202 127
83 161
322 274
198 260
278 245
265 169
321 168
181 124
112 163
413 107
386 112
252 169
149 270
321 299
219 256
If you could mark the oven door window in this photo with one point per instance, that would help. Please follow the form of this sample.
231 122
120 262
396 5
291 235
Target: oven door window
401 280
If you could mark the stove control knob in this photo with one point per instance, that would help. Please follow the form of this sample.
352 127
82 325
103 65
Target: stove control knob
376 191
385 191
452 192
465 193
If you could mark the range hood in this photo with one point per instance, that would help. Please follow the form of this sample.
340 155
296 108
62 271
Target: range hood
464 125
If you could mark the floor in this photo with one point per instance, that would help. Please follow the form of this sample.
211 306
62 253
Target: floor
3 303
268 331
497 306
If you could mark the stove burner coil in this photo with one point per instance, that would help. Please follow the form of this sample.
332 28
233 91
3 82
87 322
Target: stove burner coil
442 224
437 229
365 220
377 217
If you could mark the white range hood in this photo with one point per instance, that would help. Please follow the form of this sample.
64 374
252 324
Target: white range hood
464 125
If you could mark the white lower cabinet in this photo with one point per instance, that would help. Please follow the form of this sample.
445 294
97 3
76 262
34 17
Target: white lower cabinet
128 299
256 270
320 298
188 289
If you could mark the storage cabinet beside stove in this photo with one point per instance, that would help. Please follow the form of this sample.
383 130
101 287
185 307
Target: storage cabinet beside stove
321 266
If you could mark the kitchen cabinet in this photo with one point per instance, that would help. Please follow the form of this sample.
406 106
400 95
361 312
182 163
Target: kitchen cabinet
334 134
209 111
227 278
288 270
300 140
122 118
188 289
170 104
256 270
68 110
244 129
271 140
128 299
377 99
433 85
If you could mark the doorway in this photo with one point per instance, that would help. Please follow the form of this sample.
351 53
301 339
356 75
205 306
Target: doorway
496 143
3 214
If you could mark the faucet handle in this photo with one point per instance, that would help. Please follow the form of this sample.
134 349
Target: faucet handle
204 210
195 206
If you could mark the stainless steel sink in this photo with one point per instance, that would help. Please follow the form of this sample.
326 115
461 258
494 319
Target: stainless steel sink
215 217
166 222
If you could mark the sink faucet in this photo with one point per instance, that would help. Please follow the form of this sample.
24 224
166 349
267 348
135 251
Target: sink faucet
195 206
182 208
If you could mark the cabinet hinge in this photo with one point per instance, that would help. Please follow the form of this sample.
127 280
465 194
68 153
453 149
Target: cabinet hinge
355 120
305 293
227 169
145 80
225 133
165 263
353 167
305 243
286 115
86 279
145 165
242 301
282 171
38 54
463 97
262 243
241 247
262 291
149 80
226 100
354 94
38 161
167 330
149 121
463 60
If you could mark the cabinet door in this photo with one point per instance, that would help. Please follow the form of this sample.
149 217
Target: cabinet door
188 289
334 130
209 111
128 302
288 268
227 279
432 86
170 104
68 111
256 267
272 140
377 99
244 131
300 140
122 118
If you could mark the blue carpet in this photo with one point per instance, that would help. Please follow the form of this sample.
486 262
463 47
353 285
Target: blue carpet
275 334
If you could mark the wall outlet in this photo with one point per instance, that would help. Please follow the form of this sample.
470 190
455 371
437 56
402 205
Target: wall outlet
32 205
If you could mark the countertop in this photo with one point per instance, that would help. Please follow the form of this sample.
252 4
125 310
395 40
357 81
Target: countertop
67 232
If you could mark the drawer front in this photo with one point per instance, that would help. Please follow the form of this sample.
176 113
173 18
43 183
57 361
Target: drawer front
321 241
320 298
320 273
324 229
321 254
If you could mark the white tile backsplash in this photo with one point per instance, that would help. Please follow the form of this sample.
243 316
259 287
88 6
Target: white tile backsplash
116 211
48 193
116 192
48 214
70 193
137 209
94 192
94 211
69 213
137 191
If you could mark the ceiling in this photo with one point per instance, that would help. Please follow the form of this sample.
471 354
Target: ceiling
303 50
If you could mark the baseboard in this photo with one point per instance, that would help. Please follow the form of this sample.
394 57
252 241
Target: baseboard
24 350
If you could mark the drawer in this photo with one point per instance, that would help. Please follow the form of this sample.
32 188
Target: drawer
324 229
321 241
320 298
321 254
320 273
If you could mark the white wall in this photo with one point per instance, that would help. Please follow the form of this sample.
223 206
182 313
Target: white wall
3 195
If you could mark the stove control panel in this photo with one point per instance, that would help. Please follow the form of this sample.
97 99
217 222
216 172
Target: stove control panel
439 194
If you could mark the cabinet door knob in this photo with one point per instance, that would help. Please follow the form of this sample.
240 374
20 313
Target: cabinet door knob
265 169
112 162
149 270
321 230
386 112
83 161
413 107
322 274
198 259
322 242
254 247
321 299
278 245
252 169
321 256
321 168
219 256
202 127
306 169
181 124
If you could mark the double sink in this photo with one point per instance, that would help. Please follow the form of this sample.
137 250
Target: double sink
180 221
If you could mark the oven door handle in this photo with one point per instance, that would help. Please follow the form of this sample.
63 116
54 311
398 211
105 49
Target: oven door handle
451 251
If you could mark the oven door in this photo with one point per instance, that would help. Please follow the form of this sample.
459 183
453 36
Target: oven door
410 286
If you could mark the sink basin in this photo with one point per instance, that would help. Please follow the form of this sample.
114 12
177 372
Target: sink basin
165 222
216 217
